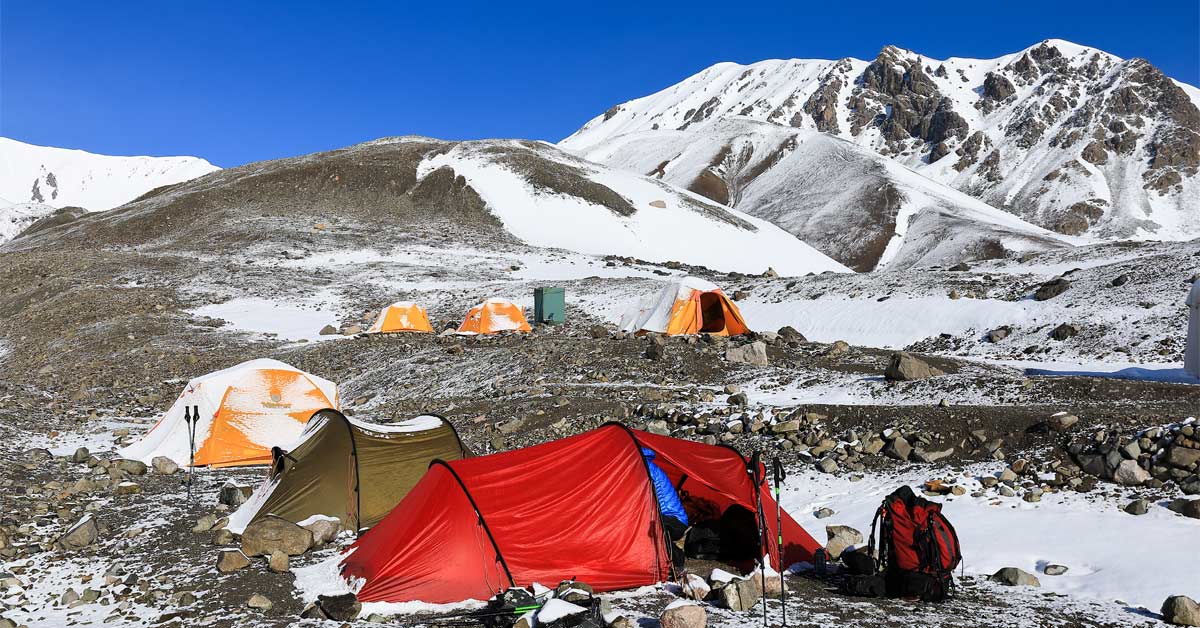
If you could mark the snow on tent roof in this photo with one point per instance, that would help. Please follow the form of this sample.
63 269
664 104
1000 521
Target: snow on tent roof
492 316
244 410
676 309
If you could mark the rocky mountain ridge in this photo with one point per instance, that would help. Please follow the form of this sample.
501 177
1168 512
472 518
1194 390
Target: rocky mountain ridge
1064 136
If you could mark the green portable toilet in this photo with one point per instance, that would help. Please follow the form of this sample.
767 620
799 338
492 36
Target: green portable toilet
549 306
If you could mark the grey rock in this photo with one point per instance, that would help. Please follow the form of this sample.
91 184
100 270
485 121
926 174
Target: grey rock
324 530
132 467
1181 610
1051 289
683 616
840 538
827 465
1138 507
82 534
260 602
754 354
1128 473
273 534
231 560
898 448
345 607
1011 576
164 466
906 367
740 594
1055 570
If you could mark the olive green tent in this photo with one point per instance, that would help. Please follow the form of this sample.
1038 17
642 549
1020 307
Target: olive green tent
349 469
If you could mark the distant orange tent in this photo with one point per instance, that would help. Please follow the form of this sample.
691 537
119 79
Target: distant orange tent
687 306
402 316
494 316
244 411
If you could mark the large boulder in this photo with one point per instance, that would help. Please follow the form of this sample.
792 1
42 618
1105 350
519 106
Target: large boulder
231 560
273 534
1013 577
324 529
1129 473
740 594
906 367
1051 289
1186 507
164 465
1181 610
754 353
132 467
80 535
683 614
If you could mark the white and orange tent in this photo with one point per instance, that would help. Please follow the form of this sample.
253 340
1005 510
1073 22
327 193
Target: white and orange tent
401 316
687 306
244 411
494 316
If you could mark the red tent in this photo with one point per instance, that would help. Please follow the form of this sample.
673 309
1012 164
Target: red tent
581 507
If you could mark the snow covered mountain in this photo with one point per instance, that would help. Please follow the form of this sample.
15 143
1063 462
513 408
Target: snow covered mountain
1067 137
865 210
16 217
492 193
61 177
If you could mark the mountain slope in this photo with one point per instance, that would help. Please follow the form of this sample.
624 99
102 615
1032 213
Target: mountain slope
1064 136
61 177
862 209
495 192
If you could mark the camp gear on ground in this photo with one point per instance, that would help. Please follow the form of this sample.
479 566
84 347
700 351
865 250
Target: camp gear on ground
549 306
864 585
583 505
401 317
918 548
492 317
704 542
668 499
243 411
676 535
687 306
354 471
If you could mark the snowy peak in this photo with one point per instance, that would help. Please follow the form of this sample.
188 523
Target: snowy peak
61 177
1065 136
486 193
860 208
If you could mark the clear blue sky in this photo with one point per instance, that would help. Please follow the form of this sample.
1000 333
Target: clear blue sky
241 81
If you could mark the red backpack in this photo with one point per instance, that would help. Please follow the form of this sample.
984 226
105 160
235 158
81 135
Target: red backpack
918 548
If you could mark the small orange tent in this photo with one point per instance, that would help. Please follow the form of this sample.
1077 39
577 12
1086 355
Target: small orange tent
243 411
494 316
688 306
402 316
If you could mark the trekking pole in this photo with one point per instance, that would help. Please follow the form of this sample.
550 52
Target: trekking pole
191 419
756 463
777 468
